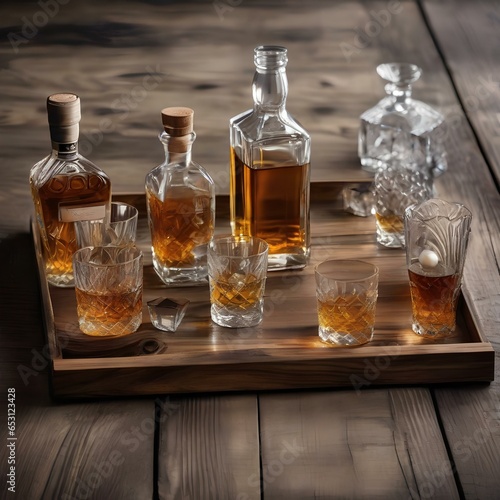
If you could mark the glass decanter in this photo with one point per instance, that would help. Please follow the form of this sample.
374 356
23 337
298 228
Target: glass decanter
181 204
270 167
400 128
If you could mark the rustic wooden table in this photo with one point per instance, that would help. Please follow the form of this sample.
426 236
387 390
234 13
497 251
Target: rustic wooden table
127 60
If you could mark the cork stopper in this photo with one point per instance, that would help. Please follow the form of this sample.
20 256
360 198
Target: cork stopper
64 116
178 124
177 121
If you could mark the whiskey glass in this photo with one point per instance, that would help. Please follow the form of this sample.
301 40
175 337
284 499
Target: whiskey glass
108 285
395 188
437 236
119 230
237 271
346 292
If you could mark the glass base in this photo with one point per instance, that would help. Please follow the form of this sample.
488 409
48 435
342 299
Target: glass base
344 339
124 327
235 317
181 275
61 281
283 261
437 332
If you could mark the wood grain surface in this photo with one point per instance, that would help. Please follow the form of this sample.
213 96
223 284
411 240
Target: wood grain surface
87 451
346 444
129 59
460 25
209 448
467 36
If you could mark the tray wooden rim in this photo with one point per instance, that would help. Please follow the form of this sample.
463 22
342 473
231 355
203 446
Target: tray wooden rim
93 377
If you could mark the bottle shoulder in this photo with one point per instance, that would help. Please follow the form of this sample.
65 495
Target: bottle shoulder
254 126
53 165
175 178
171 168
414 116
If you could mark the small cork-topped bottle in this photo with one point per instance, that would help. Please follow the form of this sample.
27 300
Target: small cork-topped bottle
65 187
181 204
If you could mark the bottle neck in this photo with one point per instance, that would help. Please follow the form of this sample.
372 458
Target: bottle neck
270 89
401 94
177 149
67 151
65 140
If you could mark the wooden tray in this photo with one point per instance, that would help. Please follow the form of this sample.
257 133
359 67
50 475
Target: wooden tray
284 352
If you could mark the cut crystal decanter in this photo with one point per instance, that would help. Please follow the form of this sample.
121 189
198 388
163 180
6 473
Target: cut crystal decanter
400 128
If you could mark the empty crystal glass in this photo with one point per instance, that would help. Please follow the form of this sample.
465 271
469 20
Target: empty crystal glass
400 128
120 230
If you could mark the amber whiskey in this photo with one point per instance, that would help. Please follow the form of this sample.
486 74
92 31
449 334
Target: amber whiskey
352 315
181 224
390 223
54 201
434 295
232 291
180 197
270 202
65 187
110 314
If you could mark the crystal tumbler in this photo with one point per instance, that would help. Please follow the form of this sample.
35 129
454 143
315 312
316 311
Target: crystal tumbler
120 230
346 292
237 271
396 188
108 285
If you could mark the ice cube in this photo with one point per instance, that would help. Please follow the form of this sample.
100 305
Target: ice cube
166 314
358 199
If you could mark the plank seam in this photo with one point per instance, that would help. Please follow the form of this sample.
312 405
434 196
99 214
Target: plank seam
454 469
156 450
260 449
448 71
